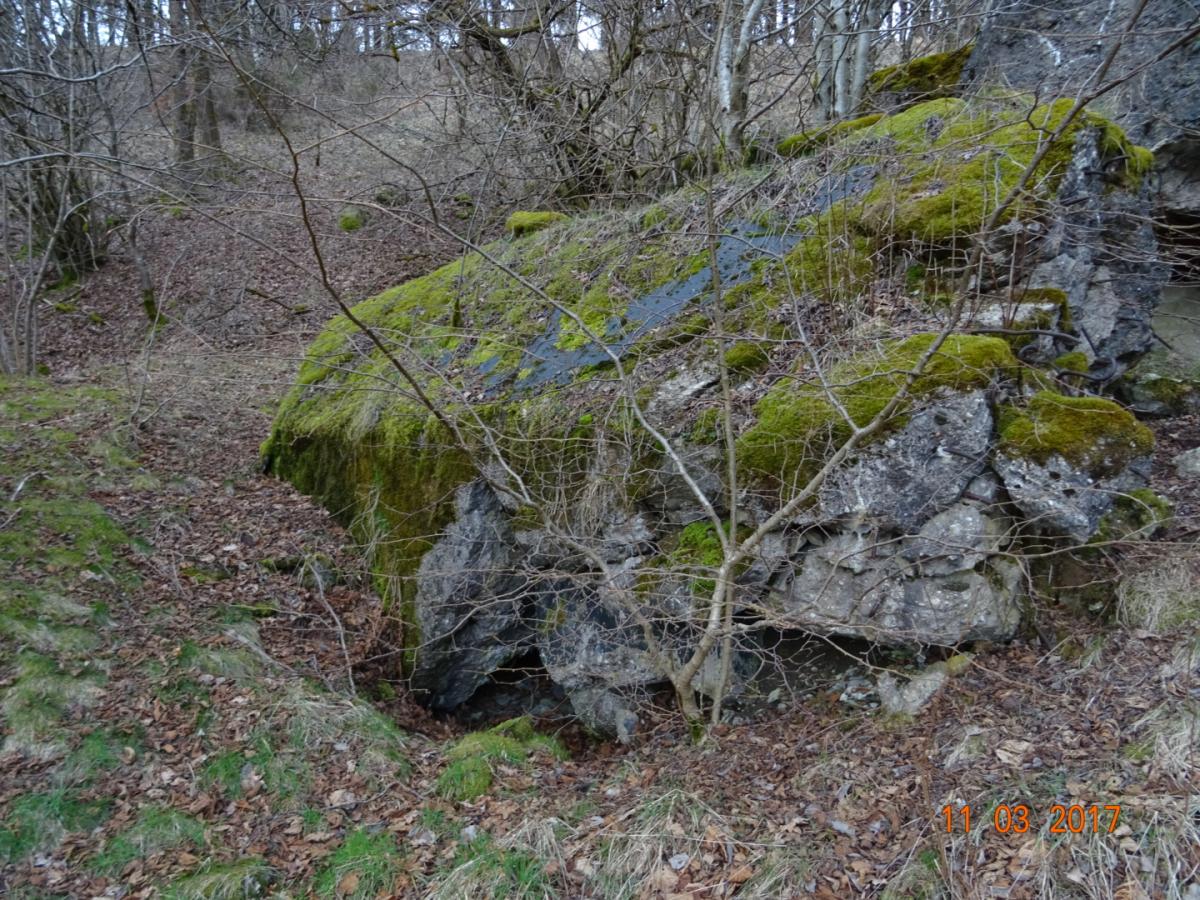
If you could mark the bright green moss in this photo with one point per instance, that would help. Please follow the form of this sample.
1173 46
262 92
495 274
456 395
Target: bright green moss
520 224
1076 361
797 427
960 161
928 77
469 774
698 551
1136 161
746 357
807 142
351 219
1090 432
654 216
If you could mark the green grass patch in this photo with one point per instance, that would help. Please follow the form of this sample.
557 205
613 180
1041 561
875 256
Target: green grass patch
485 869
223 881
366 865
470 772
157 829
39 699
36 822
285 773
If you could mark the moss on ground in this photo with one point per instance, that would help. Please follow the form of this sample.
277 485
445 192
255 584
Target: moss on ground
746 357
1092 433
797 426
520 224
808 142
351 219
470 774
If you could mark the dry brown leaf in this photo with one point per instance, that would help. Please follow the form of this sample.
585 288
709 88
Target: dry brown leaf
1012 753
348 884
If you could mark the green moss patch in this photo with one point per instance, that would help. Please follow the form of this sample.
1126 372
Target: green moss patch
797 426
351 219
472 757
927 77
945 196
808 142
1092 433
746 357
1075 361
520 224
959 159
696 555
1136 515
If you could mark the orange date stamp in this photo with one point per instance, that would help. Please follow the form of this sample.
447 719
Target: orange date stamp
1017 818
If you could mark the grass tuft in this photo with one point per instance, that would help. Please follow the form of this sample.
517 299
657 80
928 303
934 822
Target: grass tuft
1161 598
223 881
41 696
39 821
470 772
157 829
366 865
515 867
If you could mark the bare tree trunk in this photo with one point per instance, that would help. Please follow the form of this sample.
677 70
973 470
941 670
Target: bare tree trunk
841 61
735 32
870 18
824 61
210 129
185 105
